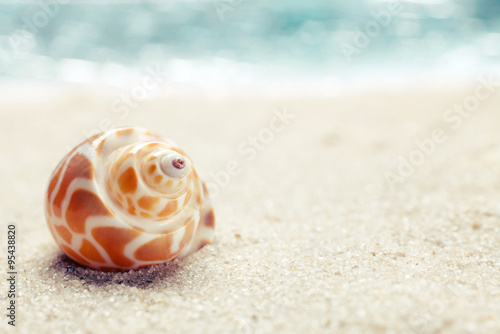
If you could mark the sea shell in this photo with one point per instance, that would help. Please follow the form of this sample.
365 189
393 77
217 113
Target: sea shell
126 199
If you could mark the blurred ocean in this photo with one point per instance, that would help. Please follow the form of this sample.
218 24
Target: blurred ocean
319 46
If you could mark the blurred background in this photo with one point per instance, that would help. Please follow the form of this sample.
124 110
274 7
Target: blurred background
225 47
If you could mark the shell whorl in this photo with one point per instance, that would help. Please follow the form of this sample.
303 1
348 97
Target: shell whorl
144 195
126 199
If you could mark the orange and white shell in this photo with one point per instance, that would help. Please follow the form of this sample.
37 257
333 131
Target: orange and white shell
127 199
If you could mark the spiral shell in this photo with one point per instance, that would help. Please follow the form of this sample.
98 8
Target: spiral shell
127 199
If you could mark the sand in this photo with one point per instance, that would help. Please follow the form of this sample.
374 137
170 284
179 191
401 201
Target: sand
311 238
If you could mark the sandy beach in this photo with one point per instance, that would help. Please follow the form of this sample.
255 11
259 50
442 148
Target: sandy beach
311 237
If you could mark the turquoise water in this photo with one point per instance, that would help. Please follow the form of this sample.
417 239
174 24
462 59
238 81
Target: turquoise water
313 36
